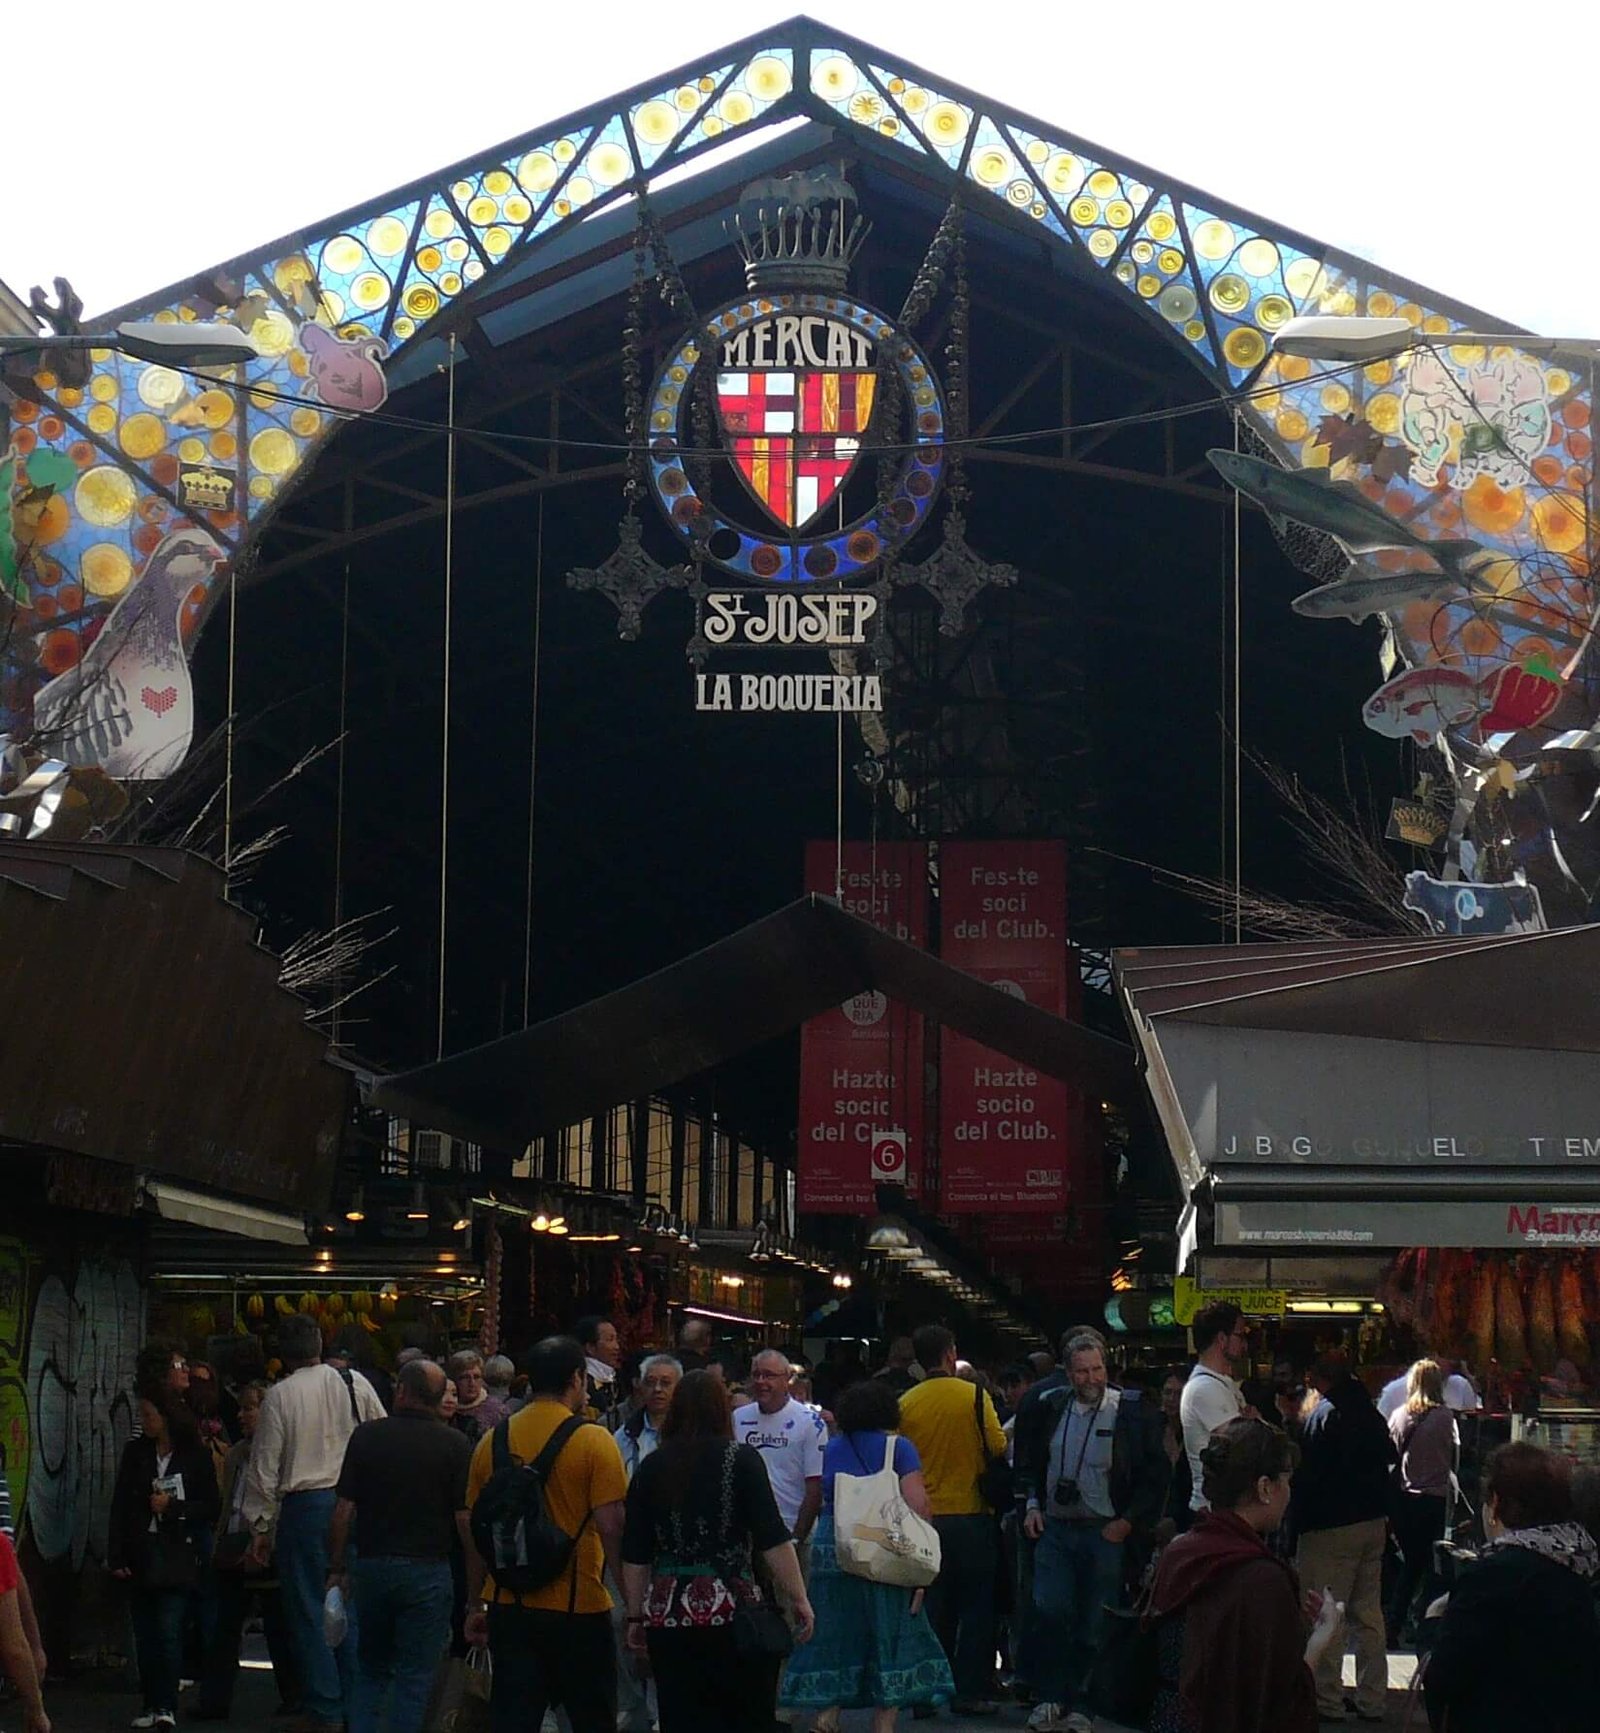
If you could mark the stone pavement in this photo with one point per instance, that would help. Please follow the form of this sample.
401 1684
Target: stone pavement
106 1701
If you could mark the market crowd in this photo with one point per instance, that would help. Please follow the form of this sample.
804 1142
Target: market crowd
680 1544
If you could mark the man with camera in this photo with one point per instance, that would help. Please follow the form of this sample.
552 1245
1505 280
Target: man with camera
1092 1471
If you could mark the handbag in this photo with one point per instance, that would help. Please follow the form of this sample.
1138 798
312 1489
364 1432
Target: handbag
876 1534
761 1632
170 1561
1126 1671
997 1485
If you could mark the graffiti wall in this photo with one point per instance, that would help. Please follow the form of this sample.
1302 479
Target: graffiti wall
69 1334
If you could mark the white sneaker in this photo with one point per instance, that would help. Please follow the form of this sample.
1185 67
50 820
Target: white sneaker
1046 1718
144 1721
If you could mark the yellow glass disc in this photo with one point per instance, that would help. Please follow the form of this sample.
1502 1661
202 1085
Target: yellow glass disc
105 569
305 422
537 171
272 451
834 78
609 164
342 255
736 108
104 496
497 182
142 436
192 450
654 122
439 223
1161 227
160 387
1103 184
768 77
482 210
386 236
101 418
1244 346
1213 239
946 123
1258 258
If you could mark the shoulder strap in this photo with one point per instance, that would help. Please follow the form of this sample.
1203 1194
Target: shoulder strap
350 1390
557 1442
500 1450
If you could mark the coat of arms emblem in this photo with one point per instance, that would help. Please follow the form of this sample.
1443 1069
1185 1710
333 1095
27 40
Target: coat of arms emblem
797 370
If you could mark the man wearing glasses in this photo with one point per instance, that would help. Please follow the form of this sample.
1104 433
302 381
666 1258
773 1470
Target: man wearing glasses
1212 1398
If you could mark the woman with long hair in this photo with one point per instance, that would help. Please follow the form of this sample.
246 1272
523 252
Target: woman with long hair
1234 1653
700 1509
1425 1438
162 1507
1180 1482
874 1648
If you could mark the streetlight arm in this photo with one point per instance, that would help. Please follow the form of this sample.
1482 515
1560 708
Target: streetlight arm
1347 340
175 345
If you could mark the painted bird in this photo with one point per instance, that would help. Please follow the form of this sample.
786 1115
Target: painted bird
128 706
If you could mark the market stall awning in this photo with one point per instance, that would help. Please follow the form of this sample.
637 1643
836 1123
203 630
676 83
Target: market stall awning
177 1203
146 1026
1377 1093
759 982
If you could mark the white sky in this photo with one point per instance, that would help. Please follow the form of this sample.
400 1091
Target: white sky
1452 144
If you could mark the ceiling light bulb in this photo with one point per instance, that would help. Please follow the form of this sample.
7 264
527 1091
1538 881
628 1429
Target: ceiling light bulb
540 1223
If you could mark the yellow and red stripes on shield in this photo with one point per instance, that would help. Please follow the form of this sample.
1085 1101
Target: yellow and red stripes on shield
794 437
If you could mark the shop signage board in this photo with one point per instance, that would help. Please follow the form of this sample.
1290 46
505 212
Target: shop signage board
1008 1135
1526 1222
861 1077
737 621
1276 1096
1188 1298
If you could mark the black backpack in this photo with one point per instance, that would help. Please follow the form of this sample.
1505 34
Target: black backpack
524 1547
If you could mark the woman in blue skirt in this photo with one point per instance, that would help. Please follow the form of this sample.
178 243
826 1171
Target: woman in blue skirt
873 1648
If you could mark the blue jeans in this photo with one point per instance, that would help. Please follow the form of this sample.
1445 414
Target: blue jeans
1075 1575
405 1606
327 1676
158 1616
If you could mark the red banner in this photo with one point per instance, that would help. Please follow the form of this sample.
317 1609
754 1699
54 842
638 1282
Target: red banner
1007 1132
861 1063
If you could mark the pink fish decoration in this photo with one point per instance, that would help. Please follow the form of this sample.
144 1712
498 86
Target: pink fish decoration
345 371
1423 702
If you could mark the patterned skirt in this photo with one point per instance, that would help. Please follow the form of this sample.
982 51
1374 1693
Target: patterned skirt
868 1651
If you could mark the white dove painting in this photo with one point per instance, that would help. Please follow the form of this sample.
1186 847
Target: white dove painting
128 707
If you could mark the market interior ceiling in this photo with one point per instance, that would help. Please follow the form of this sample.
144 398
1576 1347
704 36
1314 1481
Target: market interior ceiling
1087 702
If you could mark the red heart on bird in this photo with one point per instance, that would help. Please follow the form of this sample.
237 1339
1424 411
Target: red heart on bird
160 702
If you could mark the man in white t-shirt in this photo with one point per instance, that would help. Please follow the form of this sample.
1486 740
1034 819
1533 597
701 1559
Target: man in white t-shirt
791 1438
1458 1391
1211 1397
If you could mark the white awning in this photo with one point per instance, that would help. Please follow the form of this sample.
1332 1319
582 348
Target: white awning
176 1203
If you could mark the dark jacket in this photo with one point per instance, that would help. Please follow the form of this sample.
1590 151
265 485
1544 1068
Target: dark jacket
194 1515
1519 1647
1346 1459
1139 1467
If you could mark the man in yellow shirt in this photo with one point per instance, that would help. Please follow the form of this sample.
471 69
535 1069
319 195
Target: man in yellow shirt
552 1646
955 1429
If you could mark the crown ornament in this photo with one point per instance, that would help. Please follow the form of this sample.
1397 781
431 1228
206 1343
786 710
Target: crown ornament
798 231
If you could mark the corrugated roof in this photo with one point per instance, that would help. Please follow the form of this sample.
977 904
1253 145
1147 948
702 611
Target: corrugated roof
144 1024
757 983
1519 990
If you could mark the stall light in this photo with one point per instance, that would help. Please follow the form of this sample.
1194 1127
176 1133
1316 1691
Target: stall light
447 1257
418 1210
731 1281
558 1227
1340 1308
725 1317
463 1219
539 1222
356 1211
888 1235
635 1250
841 1280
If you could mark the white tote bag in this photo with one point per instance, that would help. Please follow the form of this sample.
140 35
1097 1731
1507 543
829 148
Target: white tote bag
876 1533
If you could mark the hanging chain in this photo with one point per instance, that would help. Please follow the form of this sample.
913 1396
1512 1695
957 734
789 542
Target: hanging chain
633 410
958 365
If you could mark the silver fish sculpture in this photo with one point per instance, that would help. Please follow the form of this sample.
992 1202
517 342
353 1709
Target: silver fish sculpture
1337 508
1365 590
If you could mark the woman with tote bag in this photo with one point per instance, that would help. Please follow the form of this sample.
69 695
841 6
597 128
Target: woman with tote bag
874 1647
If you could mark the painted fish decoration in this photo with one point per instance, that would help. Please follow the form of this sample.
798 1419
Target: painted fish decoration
1365 590
1338 508
1423 702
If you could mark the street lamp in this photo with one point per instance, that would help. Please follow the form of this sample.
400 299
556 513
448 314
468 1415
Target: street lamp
1346 338
196 345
